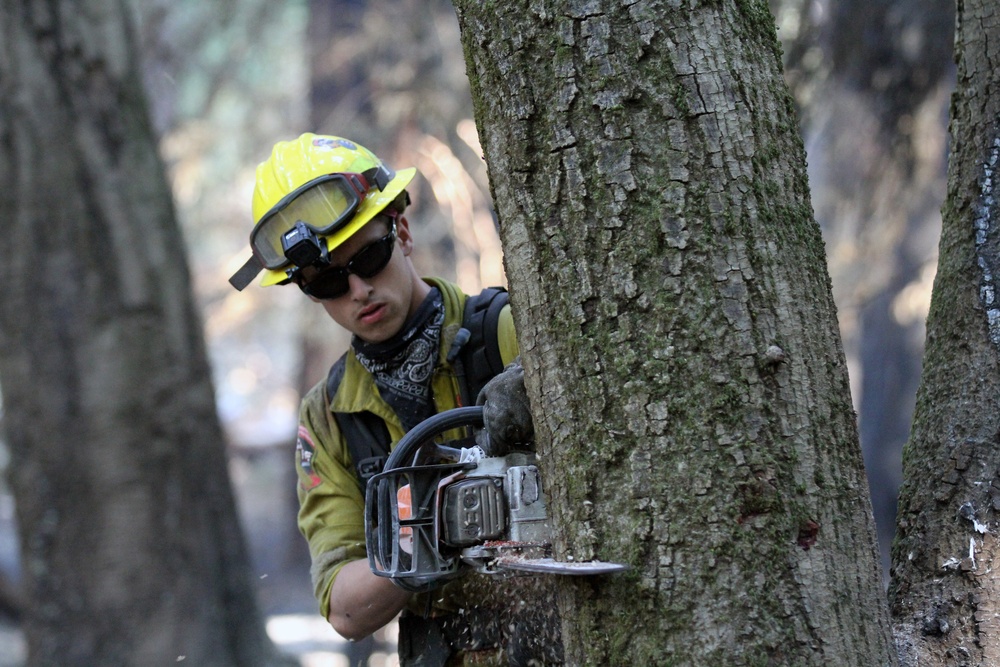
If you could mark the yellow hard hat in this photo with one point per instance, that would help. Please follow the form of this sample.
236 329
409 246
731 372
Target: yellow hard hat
331 185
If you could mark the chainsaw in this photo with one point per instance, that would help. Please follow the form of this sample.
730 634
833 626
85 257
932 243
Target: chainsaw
439 510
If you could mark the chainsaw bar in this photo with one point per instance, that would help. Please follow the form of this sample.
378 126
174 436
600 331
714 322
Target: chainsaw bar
550 566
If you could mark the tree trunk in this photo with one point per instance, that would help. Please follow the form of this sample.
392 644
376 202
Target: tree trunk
875 114
131 547
678 332
944 596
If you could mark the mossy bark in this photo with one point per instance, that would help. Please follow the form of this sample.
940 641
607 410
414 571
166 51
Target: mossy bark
944 594
131 546
678 332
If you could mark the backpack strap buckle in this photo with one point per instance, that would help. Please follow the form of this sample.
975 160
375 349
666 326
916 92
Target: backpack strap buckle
369 467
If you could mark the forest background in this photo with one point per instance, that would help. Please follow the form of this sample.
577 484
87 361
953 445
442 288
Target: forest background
228 78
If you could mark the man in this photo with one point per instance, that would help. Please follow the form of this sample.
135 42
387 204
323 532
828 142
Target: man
330 219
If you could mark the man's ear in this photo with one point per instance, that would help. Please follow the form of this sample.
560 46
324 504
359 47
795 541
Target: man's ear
403 234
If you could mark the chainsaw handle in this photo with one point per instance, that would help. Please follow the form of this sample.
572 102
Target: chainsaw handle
403 452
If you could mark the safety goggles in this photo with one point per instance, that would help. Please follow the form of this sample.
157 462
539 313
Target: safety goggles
334 282
324 204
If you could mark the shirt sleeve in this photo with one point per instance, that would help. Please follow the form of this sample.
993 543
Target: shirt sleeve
331 507
507 337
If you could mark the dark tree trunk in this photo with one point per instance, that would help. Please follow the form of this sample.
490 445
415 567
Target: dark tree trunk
872 79
131 547
877 129
944 595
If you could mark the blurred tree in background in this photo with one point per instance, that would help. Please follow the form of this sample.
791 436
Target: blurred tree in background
131 546
227 78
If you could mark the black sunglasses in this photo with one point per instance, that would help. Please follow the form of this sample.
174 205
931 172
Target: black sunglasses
333 283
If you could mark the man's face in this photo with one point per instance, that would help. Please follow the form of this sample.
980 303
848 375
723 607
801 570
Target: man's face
376 308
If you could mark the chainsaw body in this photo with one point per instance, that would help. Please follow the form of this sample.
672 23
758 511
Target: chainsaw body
438 510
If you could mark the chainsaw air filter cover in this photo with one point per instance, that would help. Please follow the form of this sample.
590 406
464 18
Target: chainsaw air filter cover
475 511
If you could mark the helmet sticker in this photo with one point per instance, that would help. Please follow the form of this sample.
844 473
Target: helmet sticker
304 452
330 143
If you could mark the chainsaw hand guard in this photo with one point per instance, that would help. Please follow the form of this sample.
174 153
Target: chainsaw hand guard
402 526
402 530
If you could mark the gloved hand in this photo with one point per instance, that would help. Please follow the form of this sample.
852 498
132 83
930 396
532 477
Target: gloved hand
506 412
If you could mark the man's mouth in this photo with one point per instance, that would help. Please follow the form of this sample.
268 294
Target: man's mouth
371 314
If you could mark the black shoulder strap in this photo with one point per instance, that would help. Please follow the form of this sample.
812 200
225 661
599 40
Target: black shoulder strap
479 358
366 434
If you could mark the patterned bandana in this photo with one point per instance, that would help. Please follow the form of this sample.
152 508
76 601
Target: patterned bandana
403 365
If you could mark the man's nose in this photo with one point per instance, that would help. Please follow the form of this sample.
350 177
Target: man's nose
359 287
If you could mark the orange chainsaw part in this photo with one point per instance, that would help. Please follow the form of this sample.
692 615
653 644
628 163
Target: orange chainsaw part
405 510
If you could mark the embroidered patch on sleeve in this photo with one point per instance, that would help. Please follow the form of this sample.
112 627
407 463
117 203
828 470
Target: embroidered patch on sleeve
304 453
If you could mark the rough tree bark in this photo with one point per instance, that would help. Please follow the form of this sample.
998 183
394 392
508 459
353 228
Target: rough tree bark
678 332
131 547
944 587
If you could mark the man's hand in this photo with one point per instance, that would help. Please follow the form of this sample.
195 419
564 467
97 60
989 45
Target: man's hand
506 412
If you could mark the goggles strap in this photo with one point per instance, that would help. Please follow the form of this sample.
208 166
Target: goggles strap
246 274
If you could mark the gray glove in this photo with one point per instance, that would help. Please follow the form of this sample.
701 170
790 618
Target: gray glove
506 412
